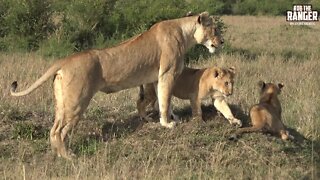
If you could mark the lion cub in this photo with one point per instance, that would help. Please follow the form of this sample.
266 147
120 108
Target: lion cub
266 116
195 85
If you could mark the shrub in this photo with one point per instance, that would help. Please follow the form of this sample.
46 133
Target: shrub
56 47
59 27
27 23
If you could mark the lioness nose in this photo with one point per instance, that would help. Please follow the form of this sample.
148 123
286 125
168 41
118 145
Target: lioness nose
222 41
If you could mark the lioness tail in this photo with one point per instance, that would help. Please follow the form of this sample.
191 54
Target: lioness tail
51 71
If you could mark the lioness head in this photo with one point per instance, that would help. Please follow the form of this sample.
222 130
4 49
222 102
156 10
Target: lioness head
222 80
270 88
207 33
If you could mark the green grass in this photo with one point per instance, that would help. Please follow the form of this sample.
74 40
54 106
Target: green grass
112 143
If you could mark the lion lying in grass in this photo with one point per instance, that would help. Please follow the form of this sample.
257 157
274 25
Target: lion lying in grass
266 116
195 85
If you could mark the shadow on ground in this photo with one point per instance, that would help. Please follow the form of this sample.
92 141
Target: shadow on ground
209 112
120 129
211 117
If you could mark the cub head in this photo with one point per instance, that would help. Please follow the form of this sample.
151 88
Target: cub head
270 88
207 32
222 80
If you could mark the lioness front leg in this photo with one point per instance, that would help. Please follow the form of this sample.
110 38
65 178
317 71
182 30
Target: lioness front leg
221 105
165 84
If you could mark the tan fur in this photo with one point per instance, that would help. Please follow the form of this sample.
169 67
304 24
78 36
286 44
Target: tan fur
195 85
266 116
155 55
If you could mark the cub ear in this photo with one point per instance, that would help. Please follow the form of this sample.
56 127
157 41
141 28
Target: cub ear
280 86
216 73
232 70
204 19
261 84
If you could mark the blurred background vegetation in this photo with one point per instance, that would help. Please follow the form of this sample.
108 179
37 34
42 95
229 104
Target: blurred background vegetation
57 27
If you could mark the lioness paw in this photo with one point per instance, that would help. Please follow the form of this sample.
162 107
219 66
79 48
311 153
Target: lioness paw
166 124
171 124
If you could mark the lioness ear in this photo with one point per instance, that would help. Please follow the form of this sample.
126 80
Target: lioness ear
190 13
204 19
280 85
261 84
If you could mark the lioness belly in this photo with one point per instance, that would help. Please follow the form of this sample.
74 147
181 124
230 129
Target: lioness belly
126 81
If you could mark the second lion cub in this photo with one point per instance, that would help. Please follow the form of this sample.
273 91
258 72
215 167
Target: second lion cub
195 85
266 116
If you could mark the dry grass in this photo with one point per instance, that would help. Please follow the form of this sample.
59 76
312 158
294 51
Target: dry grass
261 48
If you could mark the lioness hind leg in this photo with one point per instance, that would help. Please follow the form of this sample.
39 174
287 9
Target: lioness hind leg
59 131
57 138
69 108
57 144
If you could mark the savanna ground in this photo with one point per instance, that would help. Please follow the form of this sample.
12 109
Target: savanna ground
112 143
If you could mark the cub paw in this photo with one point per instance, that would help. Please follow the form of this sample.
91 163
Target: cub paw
235 121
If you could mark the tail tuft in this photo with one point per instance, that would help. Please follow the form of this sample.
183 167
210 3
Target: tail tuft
14 86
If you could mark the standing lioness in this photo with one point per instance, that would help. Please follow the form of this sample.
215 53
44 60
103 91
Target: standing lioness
195 85
266 116
155 55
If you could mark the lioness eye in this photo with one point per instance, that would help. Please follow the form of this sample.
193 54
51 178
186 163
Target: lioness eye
226 83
